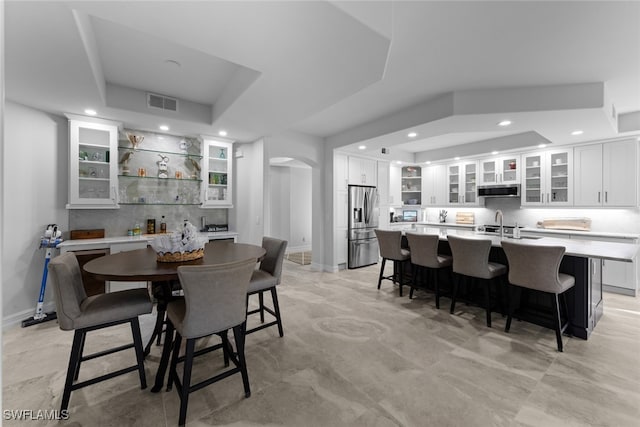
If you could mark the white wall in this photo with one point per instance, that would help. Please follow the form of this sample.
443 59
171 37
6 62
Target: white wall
280 202
34 179
301 211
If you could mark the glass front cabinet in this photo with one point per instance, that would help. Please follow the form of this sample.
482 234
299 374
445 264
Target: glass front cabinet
158 169
501 170
462 183
93 170
548 178
217 172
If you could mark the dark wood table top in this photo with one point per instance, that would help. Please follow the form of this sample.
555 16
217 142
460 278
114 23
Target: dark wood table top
142 264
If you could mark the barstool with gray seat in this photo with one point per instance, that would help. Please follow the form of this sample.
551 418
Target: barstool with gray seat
266 278
471 261
390 244
424 255
214 302
538 268
76 311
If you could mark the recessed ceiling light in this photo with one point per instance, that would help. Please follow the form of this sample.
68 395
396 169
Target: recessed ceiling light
164 127
90 112
494 152
222 133
412 134
456 158
362 147
542 145
399 162
504 123
577 132
428 162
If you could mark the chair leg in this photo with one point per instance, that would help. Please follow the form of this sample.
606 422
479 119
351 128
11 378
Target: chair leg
137 342
164 359
510 308
567 327
74 360
239 336
414 281
558 322
487 301
77 373
454 294
226 347
186 380
401 275
261 302
384 260
436 284
174 360
276 309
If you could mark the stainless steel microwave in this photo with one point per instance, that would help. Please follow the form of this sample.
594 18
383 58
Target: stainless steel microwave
510 190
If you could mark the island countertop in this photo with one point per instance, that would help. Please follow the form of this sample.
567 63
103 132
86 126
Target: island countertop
615 251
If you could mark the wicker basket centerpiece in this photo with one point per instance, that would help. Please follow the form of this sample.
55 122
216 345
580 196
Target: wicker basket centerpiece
179 246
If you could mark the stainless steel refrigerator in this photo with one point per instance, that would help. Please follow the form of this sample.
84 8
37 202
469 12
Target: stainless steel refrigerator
363 220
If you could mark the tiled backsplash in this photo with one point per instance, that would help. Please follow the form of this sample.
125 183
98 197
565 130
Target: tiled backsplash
117 222
625 220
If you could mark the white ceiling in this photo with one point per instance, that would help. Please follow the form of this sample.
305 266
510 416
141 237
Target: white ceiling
351 72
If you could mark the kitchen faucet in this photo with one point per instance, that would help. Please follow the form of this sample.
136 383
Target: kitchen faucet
499 215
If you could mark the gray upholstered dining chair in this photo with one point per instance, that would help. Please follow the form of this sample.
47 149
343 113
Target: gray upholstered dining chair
80 313
214 302
471 263
266 278
538 268
425 256
390 244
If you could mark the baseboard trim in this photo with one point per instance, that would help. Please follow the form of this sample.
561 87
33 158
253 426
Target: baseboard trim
17 318
619 290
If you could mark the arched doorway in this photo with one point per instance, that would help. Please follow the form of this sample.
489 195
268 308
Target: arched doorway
289 211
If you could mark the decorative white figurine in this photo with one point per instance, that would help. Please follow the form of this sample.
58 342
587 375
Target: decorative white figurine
162 166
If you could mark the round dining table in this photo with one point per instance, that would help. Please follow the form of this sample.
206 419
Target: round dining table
142 265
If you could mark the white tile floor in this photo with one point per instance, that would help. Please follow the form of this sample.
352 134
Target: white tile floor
355 355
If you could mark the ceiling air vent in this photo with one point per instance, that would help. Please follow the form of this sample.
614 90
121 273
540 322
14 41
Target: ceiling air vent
162 102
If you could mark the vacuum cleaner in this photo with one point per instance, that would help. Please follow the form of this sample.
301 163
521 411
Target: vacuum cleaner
52 237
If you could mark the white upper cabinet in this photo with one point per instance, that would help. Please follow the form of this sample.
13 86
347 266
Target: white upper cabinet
362 171
434 185
606 174
395 185
411 185
217 173
383 183
93 159
548 178
462 181
500 170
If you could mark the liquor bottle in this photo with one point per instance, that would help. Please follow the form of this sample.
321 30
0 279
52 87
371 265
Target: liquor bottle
163 225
